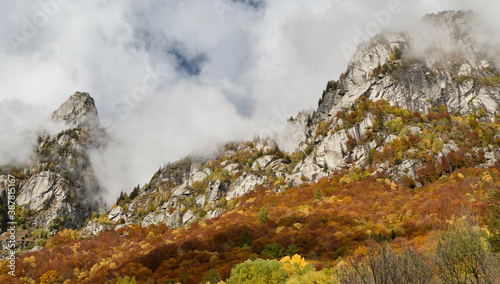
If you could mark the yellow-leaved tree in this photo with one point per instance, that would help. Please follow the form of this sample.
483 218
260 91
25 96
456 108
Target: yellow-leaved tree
302 272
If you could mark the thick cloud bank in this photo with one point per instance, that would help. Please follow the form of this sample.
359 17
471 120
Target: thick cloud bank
174 77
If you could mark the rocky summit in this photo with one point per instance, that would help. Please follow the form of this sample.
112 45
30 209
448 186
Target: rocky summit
398 146
58 189
78 111
419 71
354 121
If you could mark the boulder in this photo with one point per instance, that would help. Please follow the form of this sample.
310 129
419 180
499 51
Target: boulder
78 111
243 185
153 218
262 162
93 228
188 217
117 214
200 200
231 168
181 191
198 176
40 189
215 192
213 214
173 220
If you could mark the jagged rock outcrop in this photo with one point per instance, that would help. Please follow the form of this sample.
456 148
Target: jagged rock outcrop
42 189
77 112
231 168
93 228
243 185
117 214
452 70
404 69
215 192
59 187
190 190
47 194
263 162
331 151
171 219
416 71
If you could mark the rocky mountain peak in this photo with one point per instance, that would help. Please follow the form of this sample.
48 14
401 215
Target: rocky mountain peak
59 187
458 22
78 111
440 64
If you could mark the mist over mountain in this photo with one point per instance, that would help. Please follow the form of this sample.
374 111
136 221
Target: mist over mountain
231 72
204 132
414 70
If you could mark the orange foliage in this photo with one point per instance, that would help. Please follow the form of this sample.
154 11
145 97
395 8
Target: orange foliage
345 217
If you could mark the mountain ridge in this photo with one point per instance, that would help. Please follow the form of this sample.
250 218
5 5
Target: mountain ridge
383 68
332 142
394 121
77 111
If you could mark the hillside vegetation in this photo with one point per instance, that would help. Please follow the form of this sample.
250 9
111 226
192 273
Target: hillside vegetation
348 227
396 179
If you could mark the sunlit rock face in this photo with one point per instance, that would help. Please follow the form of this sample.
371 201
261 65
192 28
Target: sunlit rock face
440 64
59 187
78 111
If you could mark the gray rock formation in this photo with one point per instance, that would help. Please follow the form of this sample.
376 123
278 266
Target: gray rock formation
392 67
197 177
213 214
215 192
181 191
42 189
59 185
231 168
331 152
262 163
117 214
93 228
401 68
78 111
243 185
153 218
188 217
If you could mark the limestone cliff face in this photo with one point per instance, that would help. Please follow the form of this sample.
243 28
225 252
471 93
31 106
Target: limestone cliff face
442 65
197 188
410 70
417 71
78 111
59 189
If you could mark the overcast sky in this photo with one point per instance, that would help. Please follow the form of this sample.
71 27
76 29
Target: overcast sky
175 77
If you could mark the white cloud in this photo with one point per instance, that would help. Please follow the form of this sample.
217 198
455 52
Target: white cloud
254 62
